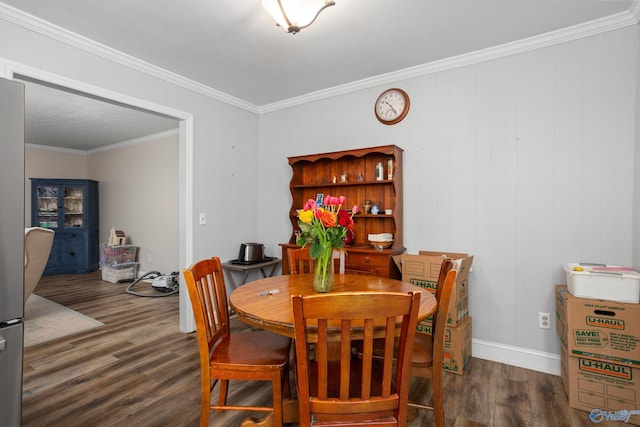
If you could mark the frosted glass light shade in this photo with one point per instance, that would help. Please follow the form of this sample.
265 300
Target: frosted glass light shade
294 15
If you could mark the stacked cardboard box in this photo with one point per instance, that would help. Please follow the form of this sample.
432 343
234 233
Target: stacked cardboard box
600 355
423 270
457 346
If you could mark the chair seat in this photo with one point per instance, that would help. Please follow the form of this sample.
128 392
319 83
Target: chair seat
422 355
252 350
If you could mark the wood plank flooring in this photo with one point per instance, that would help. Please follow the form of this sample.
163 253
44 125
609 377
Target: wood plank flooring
140 370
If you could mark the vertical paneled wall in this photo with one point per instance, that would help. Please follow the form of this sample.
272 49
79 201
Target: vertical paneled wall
525 161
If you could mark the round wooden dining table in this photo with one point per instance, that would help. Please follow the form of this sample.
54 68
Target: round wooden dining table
266 303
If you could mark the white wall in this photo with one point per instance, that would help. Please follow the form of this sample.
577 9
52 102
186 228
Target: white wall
139 195
525 161
223 174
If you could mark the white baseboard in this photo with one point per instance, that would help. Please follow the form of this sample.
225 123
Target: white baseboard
517 356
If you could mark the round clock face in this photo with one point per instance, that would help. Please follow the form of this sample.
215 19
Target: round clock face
392 106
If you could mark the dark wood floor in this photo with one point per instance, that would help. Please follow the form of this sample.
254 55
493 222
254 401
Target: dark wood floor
140 370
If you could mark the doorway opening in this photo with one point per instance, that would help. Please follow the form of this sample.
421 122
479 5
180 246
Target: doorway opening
162 114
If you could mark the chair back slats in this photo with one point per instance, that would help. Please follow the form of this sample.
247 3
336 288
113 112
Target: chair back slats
445 267
361 387
345 360
367 361
440 321
300 261
209 302
389 348
322 352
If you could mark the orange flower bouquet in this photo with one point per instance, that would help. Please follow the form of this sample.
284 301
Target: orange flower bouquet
324 227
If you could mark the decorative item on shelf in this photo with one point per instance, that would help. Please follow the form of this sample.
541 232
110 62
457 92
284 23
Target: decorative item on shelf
367 206
379 172
360 178
324 228
374 209
343 177
390 169
381 241
349 238
117 237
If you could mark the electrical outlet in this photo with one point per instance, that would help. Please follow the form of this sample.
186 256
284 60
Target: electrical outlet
544 320
203 218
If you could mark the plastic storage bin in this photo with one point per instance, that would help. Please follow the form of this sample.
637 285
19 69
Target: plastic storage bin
112 255
608 282
123 272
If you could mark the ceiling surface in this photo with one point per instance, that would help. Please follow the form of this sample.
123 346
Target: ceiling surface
234 47
59 118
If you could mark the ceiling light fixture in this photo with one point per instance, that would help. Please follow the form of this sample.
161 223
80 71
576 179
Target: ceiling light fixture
294 15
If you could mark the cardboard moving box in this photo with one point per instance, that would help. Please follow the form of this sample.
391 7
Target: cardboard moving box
594 328
423 270
457 346
607 390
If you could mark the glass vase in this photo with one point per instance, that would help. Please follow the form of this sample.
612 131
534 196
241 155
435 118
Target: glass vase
323 275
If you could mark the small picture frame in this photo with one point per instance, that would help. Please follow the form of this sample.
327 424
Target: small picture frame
319 199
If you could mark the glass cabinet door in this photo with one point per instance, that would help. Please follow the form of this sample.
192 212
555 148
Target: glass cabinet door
73 206
47 196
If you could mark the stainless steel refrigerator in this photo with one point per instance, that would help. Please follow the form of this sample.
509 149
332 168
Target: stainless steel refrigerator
11 250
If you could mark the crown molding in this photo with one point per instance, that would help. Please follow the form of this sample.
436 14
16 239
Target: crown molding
634 10
598 26
115 146
63 35
135 141
56 149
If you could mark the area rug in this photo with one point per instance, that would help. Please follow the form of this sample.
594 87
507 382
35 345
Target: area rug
45 320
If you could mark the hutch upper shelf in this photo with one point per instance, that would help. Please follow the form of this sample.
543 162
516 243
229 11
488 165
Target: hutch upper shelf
366 176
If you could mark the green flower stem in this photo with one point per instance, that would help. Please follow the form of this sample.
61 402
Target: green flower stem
323 261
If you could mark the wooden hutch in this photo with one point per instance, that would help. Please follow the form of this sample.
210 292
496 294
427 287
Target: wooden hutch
354 174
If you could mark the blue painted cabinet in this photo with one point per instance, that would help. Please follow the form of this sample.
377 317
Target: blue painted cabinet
70 208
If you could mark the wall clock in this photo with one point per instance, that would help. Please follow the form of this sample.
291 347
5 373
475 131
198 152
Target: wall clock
392 106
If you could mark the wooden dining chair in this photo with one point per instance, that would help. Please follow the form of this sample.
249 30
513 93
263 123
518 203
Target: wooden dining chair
300 261
428 350
224 356
354 390
426 357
